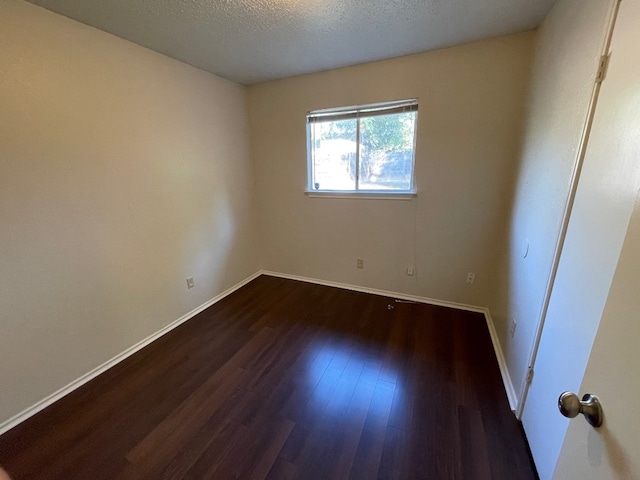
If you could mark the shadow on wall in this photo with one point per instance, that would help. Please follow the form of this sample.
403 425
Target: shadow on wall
602 444
503 304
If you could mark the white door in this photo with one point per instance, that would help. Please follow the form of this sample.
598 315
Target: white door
612 451
596 233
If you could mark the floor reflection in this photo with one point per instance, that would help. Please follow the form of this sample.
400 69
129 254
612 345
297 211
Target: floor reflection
344 377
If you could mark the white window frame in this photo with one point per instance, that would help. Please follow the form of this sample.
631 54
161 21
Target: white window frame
357 112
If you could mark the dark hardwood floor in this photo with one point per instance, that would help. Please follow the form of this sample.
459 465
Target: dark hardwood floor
283 380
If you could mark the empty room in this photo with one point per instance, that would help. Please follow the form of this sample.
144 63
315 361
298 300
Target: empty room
319 239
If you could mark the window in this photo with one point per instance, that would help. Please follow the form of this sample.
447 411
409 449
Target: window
367 149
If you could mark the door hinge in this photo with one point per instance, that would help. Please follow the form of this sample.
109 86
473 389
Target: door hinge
529 375
602 68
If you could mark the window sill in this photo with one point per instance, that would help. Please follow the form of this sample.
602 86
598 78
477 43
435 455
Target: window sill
363 194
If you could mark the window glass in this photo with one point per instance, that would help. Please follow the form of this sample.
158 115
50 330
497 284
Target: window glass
386 152
362 149
334 155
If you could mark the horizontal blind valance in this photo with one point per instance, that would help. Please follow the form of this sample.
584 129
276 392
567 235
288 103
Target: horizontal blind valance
367 111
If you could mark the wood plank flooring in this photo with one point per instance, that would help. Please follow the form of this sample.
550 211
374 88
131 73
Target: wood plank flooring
285 380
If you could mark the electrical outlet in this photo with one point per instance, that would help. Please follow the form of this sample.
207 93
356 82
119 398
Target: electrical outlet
410 271
471 277
512 328
190 283
359 263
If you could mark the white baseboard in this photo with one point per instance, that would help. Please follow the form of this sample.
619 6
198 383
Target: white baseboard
45 402
504 371
375 291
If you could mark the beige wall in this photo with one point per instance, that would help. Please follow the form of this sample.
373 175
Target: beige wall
567 49
471 103
122 172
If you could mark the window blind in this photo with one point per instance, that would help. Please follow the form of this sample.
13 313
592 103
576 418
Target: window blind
332 115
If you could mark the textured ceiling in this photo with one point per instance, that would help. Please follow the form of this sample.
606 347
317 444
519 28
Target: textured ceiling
251 41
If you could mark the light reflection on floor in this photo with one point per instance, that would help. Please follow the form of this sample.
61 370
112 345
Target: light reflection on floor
344 377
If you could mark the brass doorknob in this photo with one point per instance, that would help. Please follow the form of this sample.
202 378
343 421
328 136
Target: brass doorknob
570 406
